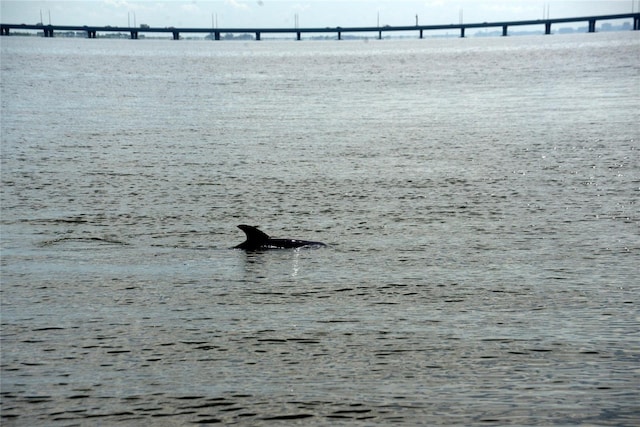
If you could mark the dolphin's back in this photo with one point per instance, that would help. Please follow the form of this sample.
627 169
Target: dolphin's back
257 240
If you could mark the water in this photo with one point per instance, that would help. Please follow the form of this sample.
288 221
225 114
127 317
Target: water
479 198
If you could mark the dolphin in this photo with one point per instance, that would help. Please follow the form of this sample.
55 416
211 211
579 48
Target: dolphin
258 240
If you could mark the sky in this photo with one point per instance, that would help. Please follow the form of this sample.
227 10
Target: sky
307 13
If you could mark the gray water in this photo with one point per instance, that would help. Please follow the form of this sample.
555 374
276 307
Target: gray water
479 198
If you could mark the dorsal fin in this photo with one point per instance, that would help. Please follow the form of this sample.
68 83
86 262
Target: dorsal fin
255 237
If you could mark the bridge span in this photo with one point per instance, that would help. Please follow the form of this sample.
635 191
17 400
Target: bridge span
92 31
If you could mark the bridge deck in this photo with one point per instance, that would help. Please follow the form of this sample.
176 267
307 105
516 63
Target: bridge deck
92 30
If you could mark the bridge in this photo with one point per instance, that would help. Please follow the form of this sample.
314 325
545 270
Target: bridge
92 31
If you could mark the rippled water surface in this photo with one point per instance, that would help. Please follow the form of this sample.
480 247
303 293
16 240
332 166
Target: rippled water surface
479 198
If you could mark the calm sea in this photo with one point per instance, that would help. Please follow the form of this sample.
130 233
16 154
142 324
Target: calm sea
480 200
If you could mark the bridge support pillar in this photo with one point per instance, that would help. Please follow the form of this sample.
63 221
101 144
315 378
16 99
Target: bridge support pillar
257 36
636 24
48 32
504 31
298 35
4 31
339 35
462 32
592 25
379 34
547 28
91 34
420 33
176 35
217 35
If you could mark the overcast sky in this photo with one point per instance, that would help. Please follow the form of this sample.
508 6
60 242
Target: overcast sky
310 13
